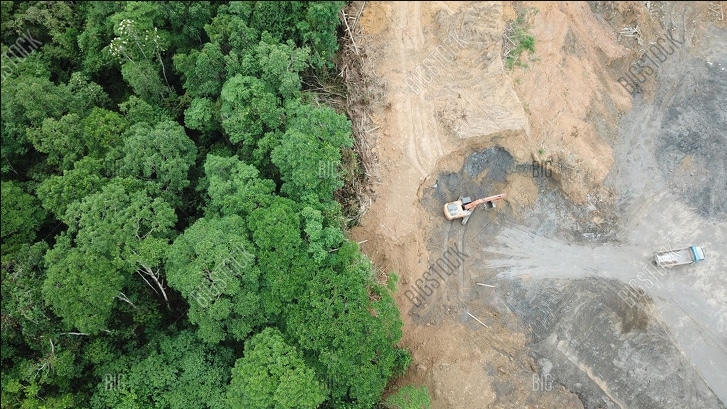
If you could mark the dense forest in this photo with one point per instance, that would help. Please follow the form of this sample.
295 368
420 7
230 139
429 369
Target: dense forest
171 236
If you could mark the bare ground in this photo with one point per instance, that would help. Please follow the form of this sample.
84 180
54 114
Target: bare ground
448 119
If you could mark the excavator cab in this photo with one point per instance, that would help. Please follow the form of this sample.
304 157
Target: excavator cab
465 201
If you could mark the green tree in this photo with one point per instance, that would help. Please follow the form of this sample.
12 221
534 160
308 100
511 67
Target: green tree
136 110
202 115
174 371
186 21
57 192
86 95
212 266
203 71
351 337
248 112
54 25
139 46
113 237
93 38
320 239
144 79
26 318
279 19
102 130
38 366
163 154
276 231
21 217
230 28
38 99
81 287
272 374
318 30
309 154
55 118
60 139
235 188
278 66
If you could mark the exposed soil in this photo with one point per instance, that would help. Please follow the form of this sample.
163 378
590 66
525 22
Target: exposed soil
597 178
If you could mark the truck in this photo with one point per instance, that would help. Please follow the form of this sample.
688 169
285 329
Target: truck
671 258
463 207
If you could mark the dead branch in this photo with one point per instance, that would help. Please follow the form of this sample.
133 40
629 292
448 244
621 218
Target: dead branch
483 324
155 276
355 21
348 30
121 296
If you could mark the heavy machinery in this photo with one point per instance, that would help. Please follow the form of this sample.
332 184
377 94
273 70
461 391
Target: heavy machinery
463 207
671 258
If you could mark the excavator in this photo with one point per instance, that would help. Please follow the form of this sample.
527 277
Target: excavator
464 206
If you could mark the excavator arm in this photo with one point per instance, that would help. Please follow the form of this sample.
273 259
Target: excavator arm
472 205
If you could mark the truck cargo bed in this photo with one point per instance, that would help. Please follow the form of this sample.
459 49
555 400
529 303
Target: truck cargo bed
670 258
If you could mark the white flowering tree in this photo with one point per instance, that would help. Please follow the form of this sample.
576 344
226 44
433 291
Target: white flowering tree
138 51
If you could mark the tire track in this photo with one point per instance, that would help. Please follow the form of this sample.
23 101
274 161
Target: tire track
422 148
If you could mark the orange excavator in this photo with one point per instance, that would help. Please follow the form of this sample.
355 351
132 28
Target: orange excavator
464 206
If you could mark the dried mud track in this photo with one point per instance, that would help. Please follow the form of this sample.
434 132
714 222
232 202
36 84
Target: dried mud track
414 121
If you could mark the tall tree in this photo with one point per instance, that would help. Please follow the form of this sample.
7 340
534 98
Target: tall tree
231 29
318 31
277 65
52 26
186 22
57 192
235 187
57 118
61 139
202 115
98 28
38 365
114 236
309 154
139 46
21 217
273 375
203 71
351 337
102 130
162 153
212 266
248 112
276 232
174 371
